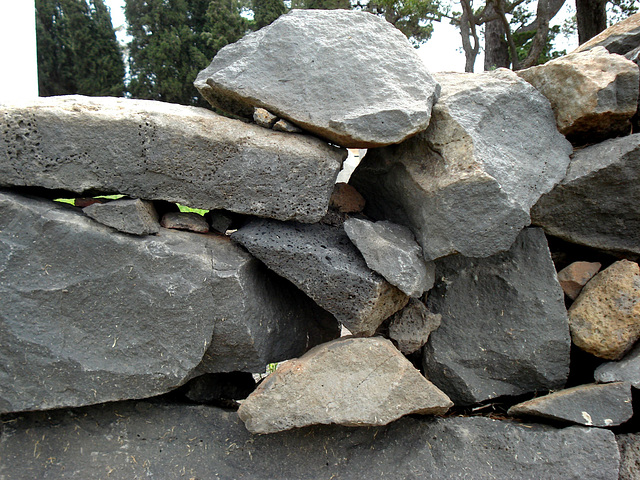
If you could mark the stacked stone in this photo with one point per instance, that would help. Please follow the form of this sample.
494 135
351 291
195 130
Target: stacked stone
427 257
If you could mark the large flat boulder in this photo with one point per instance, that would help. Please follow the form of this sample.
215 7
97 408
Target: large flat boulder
146 440
596 203
92 315
350 381
160 151
356 90
593 94
504 328
466 184
321 261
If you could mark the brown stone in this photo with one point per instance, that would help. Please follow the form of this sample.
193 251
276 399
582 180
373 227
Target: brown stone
264 117
346 199
284 126
185 221
605 318
576 276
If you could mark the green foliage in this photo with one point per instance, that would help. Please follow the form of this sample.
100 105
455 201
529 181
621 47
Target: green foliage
173 40
618 10
321 4
523 43
77 49
266 11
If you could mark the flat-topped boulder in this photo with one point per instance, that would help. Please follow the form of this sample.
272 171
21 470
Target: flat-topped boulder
161 151
466 184
309 67
92 315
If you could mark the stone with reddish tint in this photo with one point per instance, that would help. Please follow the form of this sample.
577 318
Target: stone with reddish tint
574 277
346 199
189 221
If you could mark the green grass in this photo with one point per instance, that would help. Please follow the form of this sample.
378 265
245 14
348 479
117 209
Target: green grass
183 208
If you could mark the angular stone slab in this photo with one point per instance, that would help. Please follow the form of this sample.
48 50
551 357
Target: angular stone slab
594 405
323 263
620 38
504 327
137 217
574 277
359 91
605 318
593 94
410 327
391 250
195 441
91 315
625 370
629 447
596 203
466 184
161 151
189 221
350 381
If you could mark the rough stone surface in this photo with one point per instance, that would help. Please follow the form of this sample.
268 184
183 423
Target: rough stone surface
620 38
629 448
99 442
162 151
137 217
596 203
625 370
593 94
92 315
594 405
189 221
360 91
350 381
323 263
504 325
466 184
410 327
391 250
575 276
264 118
346 199
605 318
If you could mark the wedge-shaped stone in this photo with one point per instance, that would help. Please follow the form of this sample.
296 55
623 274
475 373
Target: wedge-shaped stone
605 318
410 327
350 381
392 251
360 91
593 94
504 328
321 261
620 38
99 442
91 315
137 217
160 151
596 203
466 184
574 277
592 405
625 370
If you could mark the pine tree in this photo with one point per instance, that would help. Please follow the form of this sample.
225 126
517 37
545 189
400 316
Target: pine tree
266 11
77 49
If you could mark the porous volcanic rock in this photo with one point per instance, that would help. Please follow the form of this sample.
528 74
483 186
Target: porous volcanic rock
466 184
574 277
360 91
101 442
134 216
625 370
504 327
596 203
629 447
605 318
92 315
410 327
605 405
321 261
161 151
391 250
593 94
349 381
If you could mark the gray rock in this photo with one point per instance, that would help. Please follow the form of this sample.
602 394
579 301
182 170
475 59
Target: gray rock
360 91
625 370
220 220
596 203
264 118
594 405
629 447
162 151
504 327
91 315
392 251
283 126
410 327
323 263
350 381
620 38
145 440
188 221
466 184
137 217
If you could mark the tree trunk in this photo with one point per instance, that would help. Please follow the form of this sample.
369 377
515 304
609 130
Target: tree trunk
496 50
591 16
468 33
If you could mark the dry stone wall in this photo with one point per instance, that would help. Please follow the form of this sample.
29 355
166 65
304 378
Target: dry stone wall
132 334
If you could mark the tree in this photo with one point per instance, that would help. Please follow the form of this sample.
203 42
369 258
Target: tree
173 40
591 15
266 11
77 49
321 4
